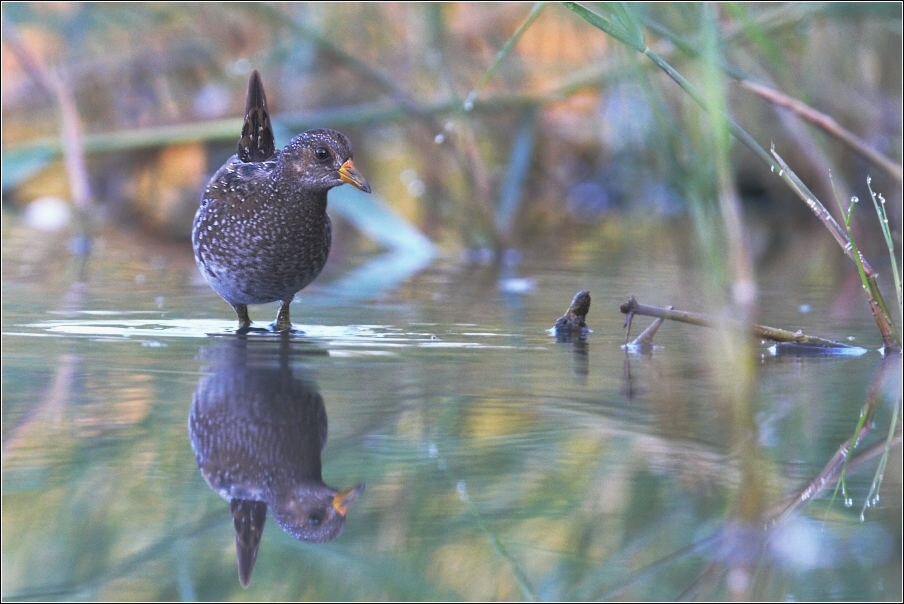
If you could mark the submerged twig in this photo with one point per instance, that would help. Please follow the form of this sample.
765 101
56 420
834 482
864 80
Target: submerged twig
645 339
633 307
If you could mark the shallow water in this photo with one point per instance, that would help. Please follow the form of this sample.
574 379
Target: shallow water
498 463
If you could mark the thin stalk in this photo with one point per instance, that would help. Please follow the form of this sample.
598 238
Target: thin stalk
890 337
783 509
520 578
381 112
743 283
70 143
828 124
889 334
844 453
872 498
842 461
523 582
516 175
503 53
823 121
879 204
855 252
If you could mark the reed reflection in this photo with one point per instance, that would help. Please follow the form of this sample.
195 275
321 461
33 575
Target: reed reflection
257 428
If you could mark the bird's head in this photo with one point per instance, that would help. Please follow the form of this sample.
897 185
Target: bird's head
319 160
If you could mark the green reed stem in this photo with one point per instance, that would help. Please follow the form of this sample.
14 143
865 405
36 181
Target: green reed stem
503 53
872 498
879 204
634 40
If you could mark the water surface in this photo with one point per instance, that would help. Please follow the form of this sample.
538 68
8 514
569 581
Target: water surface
498 463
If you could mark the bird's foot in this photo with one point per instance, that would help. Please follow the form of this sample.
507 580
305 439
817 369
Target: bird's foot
283 323
244 326
275 327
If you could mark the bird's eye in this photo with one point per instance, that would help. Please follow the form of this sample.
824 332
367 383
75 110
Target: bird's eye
315 519
321 153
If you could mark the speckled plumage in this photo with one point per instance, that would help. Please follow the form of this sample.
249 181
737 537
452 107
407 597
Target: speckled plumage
257 428
262 233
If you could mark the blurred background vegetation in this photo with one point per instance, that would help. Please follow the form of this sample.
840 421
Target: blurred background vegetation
572 137
574 150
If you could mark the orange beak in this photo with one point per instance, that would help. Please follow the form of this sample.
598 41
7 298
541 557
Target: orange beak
349 173
344 499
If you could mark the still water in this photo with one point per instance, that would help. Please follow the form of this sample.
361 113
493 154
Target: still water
496 462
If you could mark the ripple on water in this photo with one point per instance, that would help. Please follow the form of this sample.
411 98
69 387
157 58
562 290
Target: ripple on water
151 332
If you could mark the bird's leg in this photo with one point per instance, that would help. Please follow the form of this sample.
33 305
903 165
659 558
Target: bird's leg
244 320
283 323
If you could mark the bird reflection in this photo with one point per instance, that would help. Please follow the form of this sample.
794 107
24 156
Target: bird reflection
257 430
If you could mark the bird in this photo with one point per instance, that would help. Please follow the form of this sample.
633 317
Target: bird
261 233
257 428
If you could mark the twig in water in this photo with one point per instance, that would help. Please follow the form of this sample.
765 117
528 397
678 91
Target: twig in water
645 340
633 307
